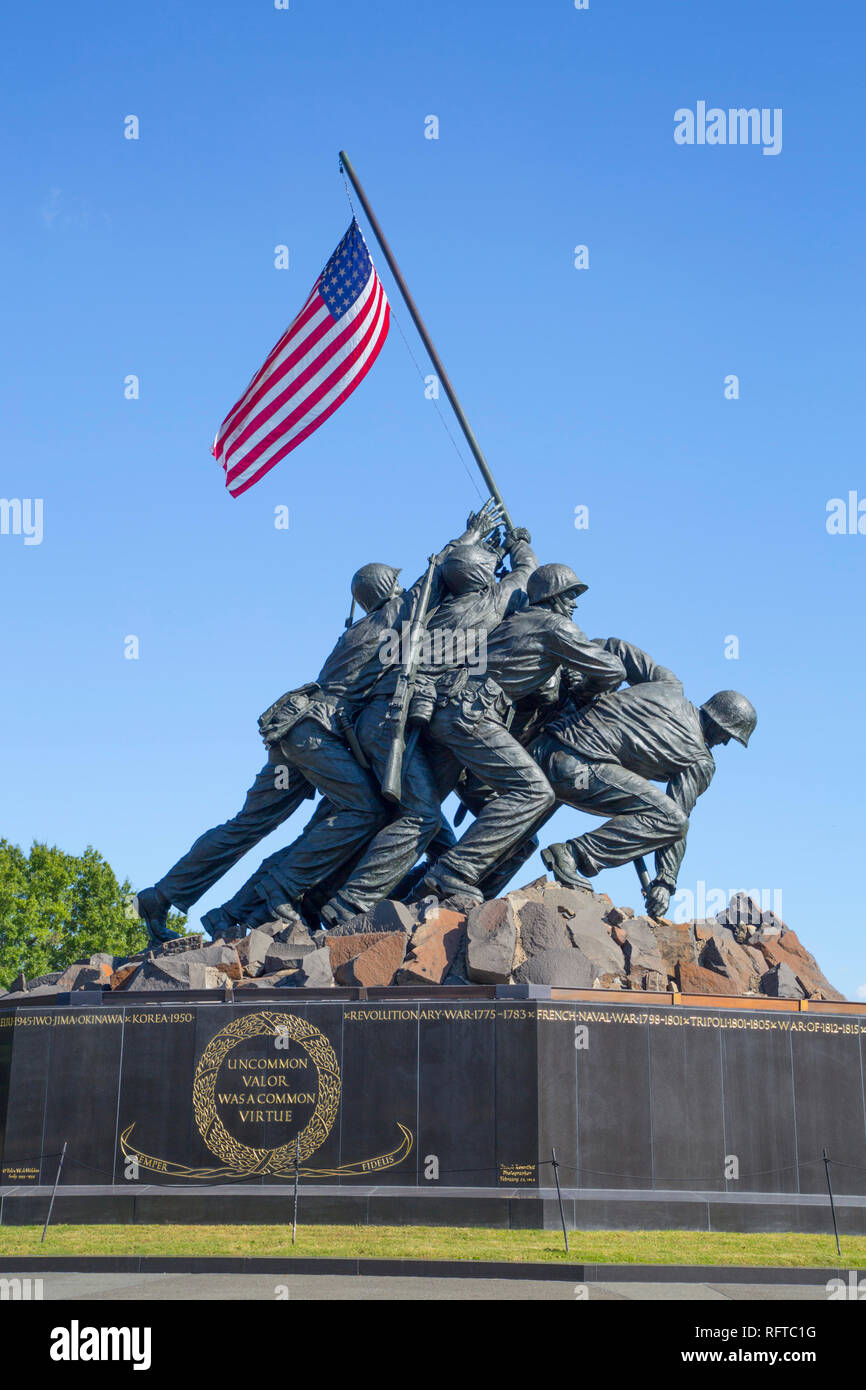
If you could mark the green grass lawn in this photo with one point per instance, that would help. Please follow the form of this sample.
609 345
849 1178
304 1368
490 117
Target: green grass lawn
439 1243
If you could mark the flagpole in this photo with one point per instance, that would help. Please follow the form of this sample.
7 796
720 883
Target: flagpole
346 165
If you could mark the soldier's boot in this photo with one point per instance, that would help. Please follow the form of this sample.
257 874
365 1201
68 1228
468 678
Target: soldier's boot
445 884
562 861
152 907
276 902
221 927
335 913
408 890
289 918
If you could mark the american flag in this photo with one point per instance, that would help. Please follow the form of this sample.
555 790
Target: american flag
314 367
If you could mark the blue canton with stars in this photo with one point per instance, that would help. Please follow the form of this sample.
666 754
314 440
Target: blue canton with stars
346 273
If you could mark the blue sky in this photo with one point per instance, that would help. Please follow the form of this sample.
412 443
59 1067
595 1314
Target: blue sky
601 387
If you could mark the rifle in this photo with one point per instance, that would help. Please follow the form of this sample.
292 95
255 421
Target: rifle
643 874
392 782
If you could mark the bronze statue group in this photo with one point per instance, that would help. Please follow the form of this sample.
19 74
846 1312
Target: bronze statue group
476 680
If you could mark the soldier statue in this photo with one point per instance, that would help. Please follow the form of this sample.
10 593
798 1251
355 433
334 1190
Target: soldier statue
606 758
511 705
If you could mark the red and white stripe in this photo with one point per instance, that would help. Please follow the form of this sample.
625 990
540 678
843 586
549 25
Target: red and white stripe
314 367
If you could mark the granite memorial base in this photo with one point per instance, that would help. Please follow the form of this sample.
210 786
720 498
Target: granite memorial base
431 1111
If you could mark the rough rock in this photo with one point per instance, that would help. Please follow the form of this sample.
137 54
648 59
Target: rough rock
641 951
252 951
378 965
84 977
491 932
573 902
617 915
530 892
342 949
771 923
223 957
675 943
542 933
589 931
459 971
179 946
780 982
315 971
434 948
610 982
281 956
123 974
275 981
567 969
211 967
193 941
542 928
740 911
726 957
695 979
210 977
274 928
174 975
460 902
47 981
385 917
758 960
788 950
296 934
764 934
742 915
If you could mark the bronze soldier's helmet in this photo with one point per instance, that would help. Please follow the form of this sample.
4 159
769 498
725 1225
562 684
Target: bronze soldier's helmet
549 580
733 713
467 569
373 585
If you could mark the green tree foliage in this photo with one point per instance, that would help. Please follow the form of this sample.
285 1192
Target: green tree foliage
58 908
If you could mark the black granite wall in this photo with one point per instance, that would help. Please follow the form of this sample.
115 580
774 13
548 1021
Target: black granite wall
465 1094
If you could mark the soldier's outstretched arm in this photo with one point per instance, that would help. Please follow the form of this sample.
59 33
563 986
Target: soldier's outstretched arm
478 525
639 665
599 668
522 560
684 789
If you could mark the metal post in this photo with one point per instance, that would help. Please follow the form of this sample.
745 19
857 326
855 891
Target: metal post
346 164
559 1195
54 1189
297 1174
832 1203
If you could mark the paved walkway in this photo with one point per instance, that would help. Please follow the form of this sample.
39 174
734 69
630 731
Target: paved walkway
301 1288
